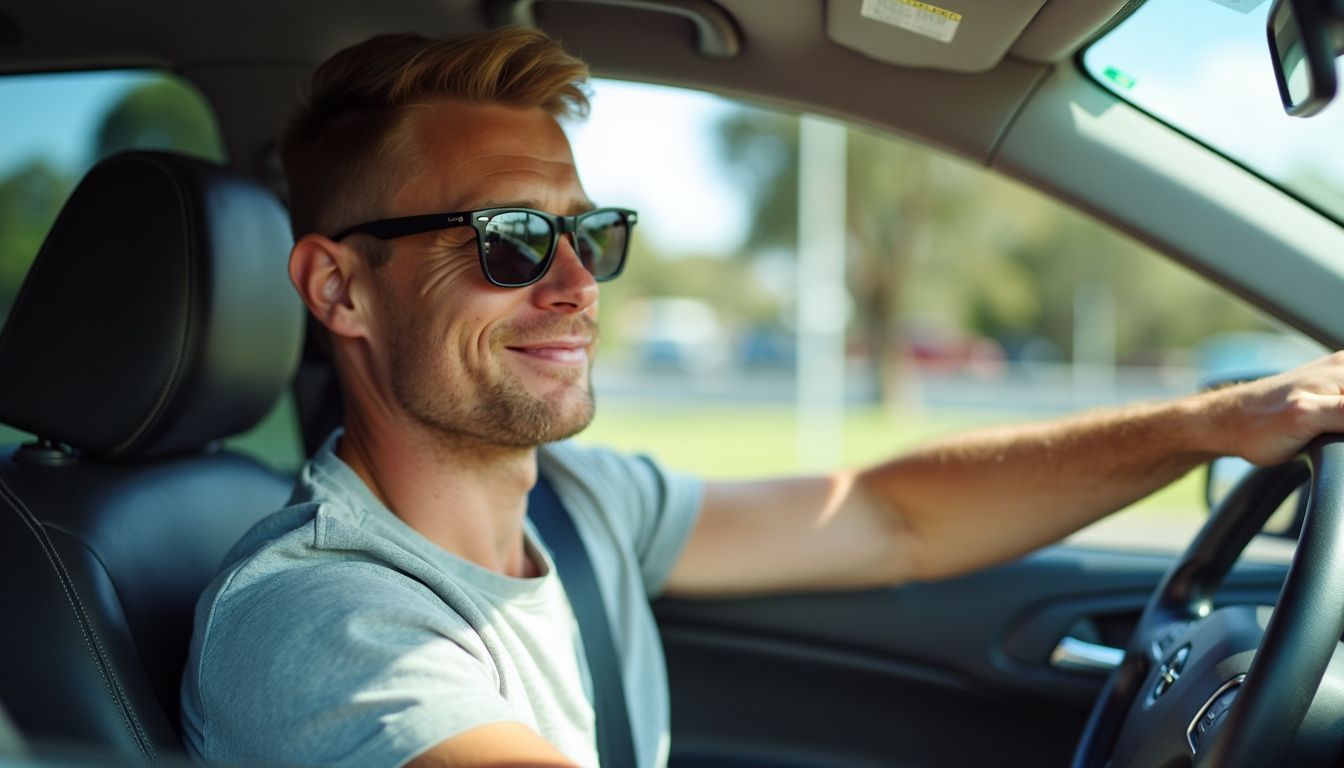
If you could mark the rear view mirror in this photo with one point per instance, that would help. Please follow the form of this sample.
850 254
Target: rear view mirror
1305 37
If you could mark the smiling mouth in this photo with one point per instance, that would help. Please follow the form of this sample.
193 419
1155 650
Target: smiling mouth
563 353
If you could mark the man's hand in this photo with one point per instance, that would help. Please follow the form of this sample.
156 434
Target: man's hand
986 497
1269 420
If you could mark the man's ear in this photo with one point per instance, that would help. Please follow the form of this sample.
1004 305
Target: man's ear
323 272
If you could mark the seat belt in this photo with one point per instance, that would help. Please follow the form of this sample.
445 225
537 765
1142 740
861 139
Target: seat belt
615 747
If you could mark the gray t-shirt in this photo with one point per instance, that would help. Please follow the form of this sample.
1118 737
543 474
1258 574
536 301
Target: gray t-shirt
338 635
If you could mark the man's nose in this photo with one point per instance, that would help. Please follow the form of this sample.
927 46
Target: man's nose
568 286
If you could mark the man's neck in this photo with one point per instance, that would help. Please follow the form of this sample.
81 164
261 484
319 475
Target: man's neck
467 497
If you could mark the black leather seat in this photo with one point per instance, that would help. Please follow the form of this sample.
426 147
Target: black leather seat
156 319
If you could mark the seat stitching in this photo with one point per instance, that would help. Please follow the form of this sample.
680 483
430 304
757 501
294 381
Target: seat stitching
179 363
90 638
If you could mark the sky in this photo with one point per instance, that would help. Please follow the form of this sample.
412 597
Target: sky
55 115
653 149
1192 61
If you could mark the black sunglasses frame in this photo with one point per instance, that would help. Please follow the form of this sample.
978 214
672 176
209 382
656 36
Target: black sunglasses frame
405 226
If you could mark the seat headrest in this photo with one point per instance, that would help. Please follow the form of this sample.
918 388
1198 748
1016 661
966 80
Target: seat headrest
158 315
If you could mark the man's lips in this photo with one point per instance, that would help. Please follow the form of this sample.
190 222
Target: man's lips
565 351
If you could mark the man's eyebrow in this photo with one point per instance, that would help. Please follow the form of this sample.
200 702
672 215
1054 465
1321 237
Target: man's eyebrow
576 207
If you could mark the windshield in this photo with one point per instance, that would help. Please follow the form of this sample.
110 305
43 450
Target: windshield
1203 66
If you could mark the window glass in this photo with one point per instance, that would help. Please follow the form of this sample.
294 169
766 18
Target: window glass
53 129
1205 69
965 299
56 126
275 440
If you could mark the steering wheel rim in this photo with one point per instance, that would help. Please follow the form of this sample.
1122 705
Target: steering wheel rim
1298 641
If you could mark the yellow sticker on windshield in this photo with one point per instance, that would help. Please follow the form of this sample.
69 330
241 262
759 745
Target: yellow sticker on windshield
921 18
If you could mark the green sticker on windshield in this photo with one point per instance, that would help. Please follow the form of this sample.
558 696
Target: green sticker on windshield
1119 78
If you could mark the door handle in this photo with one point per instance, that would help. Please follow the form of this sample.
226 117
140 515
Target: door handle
1074 655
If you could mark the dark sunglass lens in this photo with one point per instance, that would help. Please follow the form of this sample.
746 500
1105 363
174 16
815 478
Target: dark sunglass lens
516 245
601 240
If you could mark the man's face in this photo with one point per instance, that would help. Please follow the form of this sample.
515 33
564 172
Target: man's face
507 366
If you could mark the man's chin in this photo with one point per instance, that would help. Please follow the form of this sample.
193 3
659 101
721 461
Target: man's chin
553 414
521 410
561 388
571 419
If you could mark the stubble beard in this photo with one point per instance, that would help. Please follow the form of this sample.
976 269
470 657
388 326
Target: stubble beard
489 404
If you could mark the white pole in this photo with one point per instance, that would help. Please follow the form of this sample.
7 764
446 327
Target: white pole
1093 344
822 303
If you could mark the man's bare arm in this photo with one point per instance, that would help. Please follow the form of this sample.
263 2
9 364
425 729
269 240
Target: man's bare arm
986 497
498 745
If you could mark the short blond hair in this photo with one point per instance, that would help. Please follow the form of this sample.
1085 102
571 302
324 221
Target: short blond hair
339 151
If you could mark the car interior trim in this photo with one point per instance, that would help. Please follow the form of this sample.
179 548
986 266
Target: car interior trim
717 37
1090 159
1194 724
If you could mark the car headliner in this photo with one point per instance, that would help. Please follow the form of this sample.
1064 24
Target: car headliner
1028 112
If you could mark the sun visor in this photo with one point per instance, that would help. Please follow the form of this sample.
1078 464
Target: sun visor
954 35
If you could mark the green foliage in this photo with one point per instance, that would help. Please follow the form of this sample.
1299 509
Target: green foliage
1041 252
934 241
159 114
760 149
30 199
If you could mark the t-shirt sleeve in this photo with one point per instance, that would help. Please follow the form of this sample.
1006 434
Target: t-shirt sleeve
342 664
649 508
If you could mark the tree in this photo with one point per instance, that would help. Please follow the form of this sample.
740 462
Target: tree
938 237
30 199
896 200
158 114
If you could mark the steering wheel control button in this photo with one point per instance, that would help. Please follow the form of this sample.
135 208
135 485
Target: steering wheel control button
1170 672
1214 710
1168 637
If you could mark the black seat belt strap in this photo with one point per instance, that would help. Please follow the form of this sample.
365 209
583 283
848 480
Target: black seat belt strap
575 569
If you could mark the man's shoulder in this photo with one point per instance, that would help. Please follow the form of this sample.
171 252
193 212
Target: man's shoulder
308 548
286 583
288 523
297 624
643 508
606 477
265 616
321 524
592 467
272 564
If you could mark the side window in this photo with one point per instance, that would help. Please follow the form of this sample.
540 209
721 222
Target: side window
54 128
937 297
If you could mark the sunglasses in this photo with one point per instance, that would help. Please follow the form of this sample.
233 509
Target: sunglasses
517 245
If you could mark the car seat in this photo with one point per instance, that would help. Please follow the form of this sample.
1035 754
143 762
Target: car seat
156 320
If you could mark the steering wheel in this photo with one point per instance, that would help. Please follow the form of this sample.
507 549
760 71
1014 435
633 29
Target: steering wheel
1232 687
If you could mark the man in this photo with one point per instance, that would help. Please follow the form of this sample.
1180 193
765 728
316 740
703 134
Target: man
401 609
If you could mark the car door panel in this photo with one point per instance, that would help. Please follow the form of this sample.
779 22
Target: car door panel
954 672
